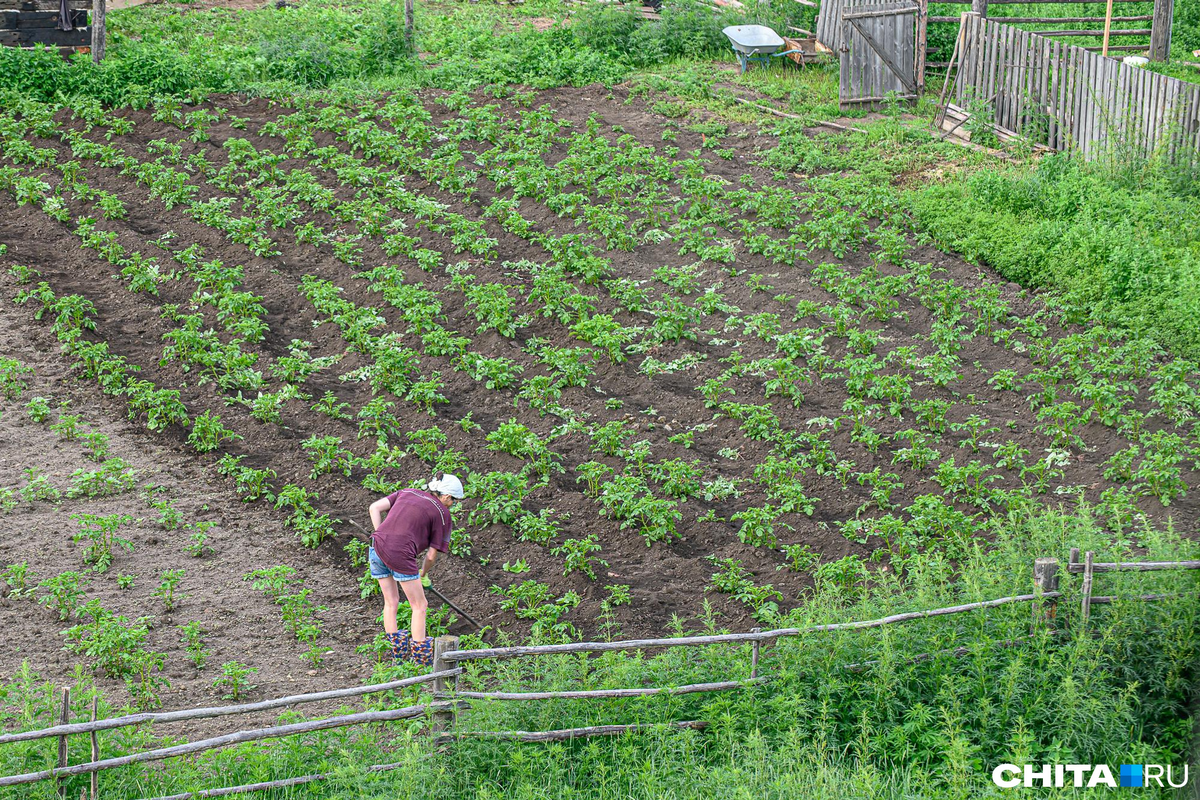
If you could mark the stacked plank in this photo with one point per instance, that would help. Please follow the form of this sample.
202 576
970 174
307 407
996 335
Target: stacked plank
24 23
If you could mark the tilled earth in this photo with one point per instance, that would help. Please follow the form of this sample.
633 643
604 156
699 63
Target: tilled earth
667 580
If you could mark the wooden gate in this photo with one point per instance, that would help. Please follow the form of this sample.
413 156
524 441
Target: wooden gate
881 50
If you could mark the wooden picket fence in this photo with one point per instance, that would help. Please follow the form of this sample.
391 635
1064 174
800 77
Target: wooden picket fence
445 700
1067 97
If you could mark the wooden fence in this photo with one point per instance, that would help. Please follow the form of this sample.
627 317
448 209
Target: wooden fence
1066 97
445 701
1112 26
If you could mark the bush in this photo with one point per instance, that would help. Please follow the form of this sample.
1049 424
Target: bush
1124 244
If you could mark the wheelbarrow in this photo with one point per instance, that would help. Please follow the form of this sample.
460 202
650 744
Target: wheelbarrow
756 43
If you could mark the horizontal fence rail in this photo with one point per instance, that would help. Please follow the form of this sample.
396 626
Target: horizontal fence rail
590 694
219 711
275 732
699 641
445 701
1070 98
1133 566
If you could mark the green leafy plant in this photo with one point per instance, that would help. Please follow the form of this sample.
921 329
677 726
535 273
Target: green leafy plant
168 588
17 577
235 680
101 534
192 637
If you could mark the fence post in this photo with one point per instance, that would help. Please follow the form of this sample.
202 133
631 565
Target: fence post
754 648
99 10
442 644
1086 605
979 7
1045 579
95 753
1160 30
408 23
922 43
64 718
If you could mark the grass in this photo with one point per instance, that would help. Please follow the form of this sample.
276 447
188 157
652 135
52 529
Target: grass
1114 693
1119 243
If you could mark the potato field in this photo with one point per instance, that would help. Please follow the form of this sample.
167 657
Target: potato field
674 367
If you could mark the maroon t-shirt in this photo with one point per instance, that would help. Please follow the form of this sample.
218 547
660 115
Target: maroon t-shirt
416 521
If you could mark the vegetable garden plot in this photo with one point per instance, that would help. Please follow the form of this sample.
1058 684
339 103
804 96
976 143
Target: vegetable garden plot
669 375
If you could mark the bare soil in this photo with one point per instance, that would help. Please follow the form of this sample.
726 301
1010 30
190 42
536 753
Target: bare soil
667 580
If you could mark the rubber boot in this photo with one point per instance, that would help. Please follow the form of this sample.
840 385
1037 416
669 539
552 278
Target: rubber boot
422 652
400 643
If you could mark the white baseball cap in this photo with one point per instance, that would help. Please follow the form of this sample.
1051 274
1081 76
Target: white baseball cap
447 484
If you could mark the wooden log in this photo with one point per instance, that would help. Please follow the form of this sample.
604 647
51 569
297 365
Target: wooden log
1045 583
1160 36
99 29
442 644
593 694
570 733
95 753
725 638
958 40
1136 566
1106 599
1121 32
276 732
754 646
1034 20
408 23
1124 48
922 43
876 14
220 711
64 718
264 785
1086 602
1108 19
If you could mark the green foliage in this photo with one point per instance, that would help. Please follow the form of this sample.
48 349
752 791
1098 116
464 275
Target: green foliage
192 637
208 433
16 577
235 680
63 592
167 590
101 534
1125 249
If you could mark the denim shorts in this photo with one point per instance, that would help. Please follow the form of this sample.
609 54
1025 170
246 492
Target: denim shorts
380 570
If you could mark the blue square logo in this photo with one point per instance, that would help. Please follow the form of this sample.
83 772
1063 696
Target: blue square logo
1131 776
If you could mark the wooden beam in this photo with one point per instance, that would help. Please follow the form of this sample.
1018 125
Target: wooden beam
1160 38
593 694
99 30
50 36
43 5
163 717
1064 20
1122 32
570 733
1135 566
25 20
727 638
276 732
